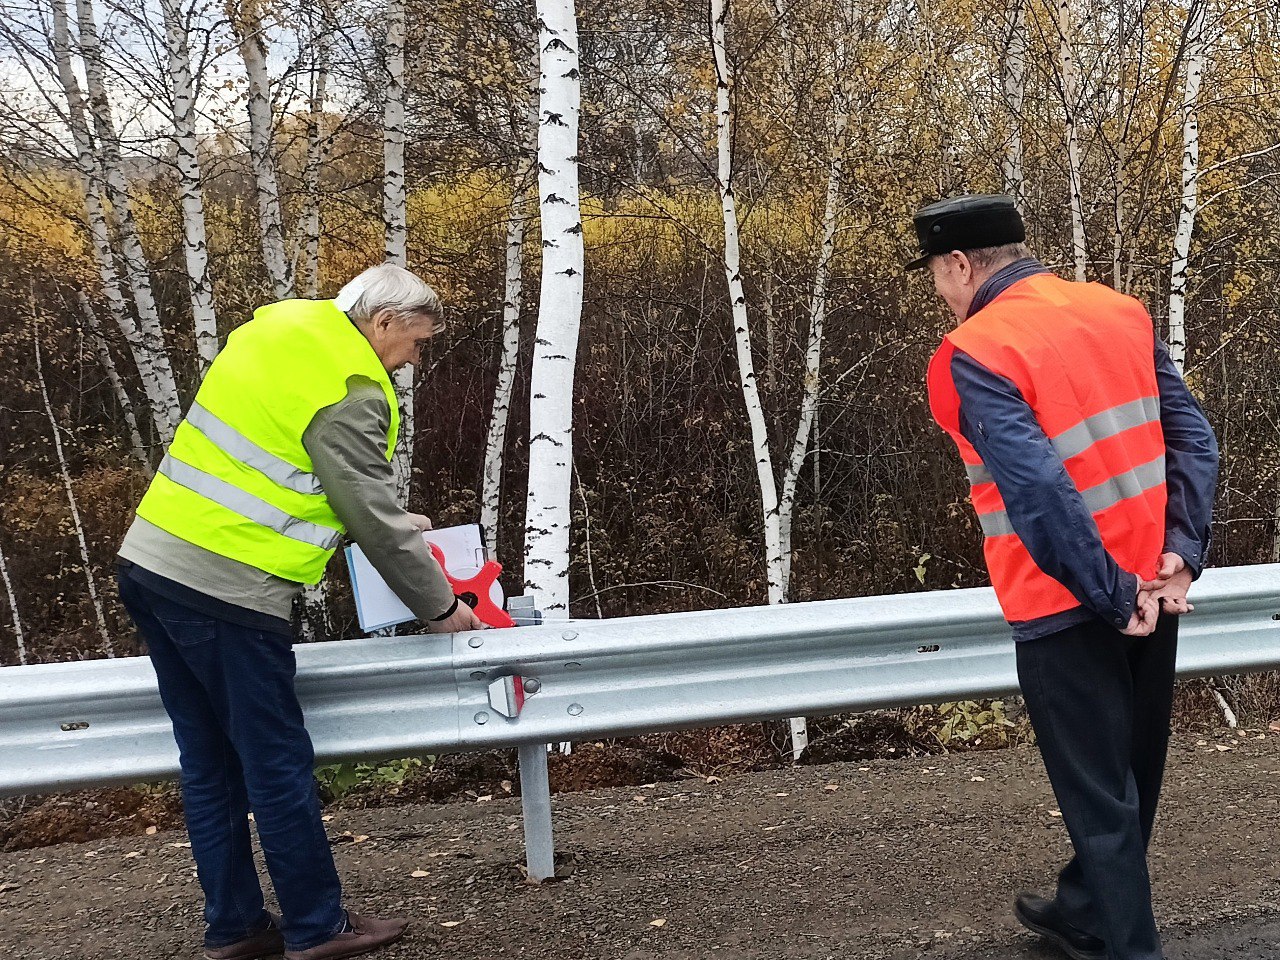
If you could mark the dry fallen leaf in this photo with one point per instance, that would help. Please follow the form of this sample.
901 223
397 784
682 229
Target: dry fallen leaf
327 817
449 923
506 785
1055 813
713 779
151 831
1222 747
660 922
978 779
782 794
185 845
420 873
831 787
132 854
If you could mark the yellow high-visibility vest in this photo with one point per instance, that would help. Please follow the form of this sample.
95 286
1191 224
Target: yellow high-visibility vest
237 479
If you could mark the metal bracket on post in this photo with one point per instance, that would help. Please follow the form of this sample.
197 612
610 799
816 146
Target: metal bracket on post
535 799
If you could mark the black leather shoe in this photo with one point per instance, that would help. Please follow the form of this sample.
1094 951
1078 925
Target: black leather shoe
1041 916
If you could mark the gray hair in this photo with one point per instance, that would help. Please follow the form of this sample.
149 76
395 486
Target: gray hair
386 287
984 258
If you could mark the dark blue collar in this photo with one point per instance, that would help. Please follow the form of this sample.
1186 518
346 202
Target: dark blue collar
1003 279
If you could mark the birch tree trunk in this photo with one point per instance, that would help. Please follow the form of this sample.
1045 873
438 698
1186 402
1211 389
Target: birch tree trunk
1014 81
194 238
99 229
71 496
13 606
1195 61
103 353
148 341
719 12
512 304
813 353
1119 186
396 221
555 352
1070 106
522 199
250 33
310 219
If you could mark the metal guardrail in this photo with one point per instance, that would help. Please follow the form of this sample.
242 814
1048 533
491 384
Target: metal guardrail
72 725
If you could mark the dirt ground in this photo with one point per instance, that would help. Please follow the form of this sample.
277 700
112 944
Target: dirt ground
883 859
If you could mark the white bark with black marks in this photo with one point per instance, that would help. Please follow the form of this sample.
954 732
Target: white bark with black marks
152 364
395 220
1195 62
195 243
1014 82
1069 75
769 507
247 24
316 149
555 349
522 200
19 636
148 340
813 351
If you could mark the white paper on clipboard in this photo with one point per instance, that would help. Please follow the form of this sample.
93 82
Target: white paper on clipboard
377 606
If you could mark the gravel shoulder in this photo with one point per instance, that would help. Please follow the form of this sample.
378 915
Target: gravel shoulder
880 860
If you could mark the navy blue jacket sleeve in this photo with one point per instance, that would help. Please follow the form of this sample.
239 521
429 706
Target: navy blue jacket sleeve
1044 507
1191 465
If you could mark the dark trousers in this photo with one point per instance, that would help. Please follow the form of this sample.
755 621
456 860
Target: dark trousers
1099 703
229 692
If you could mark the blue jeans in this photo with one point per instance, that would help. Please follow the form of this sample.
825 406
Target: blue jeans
229 691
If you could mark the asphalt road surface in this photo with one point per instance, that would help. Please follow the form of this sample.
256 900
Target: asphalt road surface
889 859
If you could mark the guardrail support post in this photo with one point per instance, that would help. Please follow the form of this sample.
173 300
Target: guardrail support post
535 798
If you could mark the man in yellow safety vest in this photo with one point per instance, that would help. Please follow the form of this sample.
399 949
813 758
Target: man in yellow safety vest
286 448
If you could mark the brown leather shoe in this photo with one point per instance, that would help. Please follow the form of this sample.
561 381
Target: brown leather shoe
266 943
367 933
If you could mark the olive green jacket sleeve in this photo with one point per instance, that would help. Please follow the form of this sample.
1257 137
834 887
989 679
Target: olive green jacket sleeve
347 444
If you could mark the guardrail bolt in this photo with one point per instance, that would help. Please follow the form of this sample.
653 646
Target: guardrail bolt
475 642
478 674
531 685
570 634
575 709
482 718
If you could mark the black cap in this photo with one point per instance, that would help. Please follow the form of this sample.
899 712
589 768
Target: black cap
966 223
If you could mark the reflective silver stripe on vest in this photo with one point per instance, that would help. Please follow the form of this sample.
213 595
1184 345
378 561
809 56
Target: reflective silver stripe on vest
1104 424
995 524
1076 440
978 473
1129 484
1107 494
235 444
247 505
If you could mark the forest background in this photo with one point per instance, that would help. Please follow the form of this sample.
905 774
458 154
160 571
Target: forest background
1142 141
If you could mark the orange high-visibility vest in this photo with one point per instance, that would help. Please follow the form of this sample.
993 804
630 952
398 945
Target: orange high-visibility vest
1082 357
